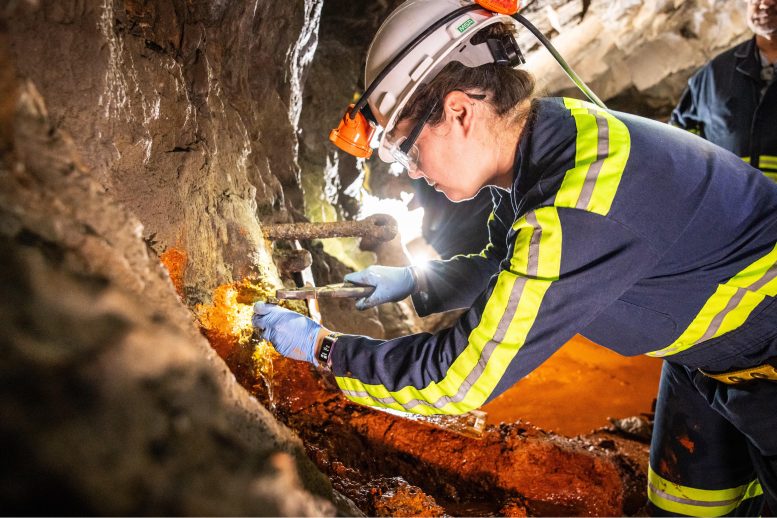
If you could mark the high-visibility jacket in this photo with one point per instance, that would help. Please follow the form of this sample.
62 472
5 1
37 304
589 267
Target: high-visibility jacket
642 237
723 104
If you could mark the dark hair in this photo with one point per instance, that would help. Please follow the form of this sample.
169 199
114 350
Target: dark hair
504 87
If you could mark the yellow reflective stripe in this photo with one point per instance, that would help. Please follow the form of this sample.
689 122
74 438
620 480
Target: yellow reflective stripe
767 164
602 149
730 305
768 161
690 501
507 318
745 159
489 246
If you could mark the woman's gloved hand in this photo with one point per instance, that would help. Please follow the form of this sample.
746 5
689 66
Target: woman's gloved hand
293 335
391 284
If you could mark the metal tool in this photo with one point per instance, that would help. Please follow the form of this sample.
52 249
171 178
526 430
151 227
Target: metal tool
341 290
470 424
378 227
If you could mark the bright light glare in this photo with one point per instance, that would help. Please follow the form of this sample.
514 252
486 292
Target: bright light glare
408 221
419 257
396 168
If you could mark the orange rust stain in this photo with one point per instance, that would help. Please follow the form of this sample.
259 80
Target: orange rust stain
578 388
174 259
513 470
226 321
686 443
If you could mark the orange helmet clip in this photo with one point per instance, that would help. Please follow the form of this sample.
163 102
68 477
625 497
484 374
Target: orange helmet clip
353 135
500 6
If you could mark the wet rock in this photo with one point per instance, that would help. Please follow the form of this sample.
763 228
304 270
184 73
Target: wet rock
112 401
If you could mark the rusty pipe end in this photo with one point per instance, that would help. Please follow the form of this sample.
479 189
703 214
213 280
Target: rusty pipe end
384 226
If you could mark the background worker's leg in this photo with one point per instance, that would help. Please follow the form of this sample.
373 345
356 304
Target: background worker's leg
699 462
766 467
752 409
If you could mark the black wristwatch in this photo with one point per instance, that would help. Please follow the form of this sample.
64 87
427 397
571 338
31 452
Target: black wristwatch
325 353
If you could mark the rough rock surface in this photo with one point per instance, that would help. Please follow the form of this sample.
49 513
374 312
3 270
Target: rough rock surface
112 402
187 110
635 55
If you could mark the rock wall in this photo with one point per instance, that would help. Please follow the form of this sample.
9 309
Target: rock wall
188 111
128 129
637 56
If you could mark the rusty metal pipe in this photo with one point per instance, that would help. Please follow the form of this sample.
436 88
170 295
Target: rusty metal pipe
380 227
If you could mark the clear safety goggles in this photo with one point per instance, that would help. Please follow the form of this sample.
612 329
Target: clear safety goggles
403 149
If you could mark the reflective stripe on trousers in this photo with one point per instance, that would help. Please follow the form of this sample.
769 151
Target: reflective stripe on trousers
677 499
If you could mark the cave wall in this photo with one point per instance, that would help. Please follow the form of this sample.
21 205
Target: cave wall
636 56
187 109
128 129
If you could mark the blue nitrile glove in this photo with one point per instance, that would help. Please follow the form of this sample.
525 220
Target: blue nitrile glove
293 335
391 284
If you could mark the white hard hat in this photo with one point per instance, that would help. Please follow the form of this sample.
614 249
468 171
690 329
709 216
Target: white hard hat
449 42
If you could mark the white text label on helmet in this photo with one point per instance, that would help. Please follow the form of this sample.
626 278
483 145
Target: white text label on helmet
460 26
421 68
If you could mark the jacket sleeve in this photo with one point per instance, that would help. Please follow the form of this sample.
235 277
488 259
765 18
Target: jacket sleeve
566 265
686 114
456 283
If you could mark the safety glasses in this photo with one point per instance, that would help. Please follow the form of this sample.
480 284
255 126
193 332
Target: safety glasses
404 150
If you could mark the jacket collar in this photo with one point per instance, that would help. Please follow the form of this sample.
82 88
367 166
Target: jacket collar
748 60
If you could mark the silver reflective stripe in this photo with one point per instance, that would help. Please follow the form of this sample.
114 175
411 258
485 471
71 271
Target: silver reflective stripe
718 320
534 245
688 501
602 152
770 274
491 345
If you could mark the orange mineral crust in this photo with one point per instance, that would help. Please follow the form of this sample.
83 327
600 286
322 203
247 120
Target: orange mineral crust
226 321
174 260
394 466
380 460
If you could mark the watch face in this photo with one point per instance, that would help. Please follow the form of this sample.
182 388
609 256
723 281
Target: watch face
326 348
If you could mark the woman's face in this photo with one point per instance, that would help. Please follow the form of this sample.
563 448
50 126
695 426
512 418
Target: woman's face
454 155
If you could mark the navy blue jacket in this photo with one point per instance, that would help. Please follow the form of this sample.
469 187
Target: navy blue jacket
642 237
723 104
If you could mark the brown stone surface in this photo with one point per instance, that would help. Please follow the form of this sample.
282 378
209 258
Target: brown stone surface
112 402
513 467
185 109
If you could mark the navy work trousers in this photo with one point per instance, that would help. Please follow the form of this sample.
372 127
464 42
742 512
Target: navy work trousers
714 447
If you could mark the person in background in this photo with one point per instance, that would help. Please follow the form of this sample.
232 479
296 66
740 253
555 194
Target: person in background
637 235
732 100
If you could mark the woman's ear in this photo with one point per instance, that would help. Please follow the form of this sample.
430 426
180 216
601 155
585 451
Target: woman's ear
458 109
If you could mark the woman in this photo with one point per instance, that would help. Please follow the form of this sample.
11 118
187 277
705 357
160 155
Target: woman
639 236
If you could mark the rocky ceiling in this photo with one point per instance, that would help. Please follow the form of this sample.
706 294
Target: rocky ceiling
144 145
